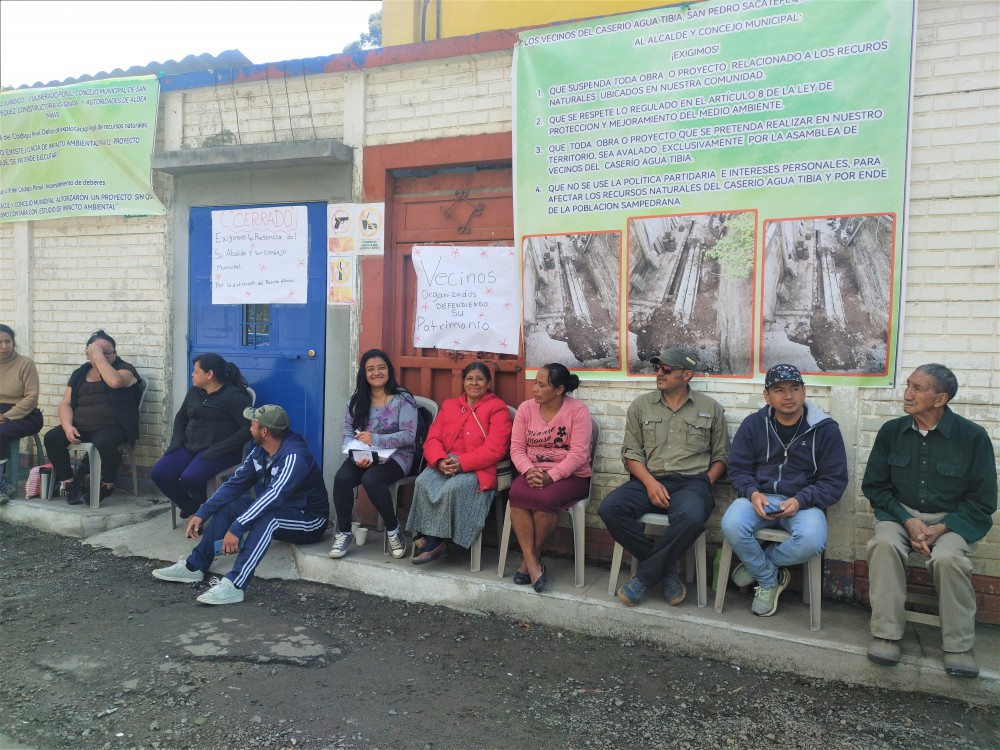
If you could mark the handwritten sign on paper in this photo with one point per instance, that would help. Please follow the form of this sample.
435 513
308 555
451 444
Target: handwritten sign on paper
467 298
260 256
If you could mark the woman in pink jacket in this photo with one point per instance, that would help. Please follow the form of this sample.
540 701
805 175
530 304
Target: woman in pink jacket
550 448
452 496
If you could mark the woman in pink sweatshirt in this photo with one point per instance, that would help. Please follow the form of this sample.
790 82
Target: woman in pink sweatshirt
550 447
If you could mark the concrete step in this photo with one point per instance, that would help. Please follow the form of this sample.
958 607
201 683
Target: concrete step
138 527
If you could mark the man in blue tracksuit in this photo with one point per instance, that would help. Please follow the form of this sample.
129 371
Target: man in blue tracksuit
291 505
787 464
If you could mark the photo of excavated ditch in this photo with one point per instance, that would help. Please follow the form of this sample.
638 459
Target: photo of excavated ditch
827 291
690 283
572 300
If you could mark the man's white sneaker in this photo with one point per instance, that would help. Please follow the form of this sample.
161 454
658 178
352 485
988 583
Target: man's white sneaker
224 592
341 543
179 573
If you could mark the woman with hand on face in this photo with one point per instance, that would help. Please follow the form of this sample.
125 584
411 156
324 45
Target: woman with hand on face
101 406
550 448
452 496
19 414
380 414
209 433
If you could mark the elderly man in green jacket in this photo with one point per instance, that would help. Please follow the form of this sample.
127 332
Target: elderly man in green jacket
932 482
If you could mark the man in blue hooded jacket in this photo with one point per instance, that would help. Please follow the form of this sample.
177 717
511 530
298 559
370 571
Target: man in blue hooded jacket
787 464
291 505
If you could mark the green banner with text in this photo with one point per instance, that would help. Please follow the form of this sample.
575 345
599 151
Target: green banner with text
730 176
78 150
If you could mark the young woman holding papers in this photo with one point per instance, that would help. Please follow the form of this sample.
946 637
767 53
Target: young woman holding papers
381 417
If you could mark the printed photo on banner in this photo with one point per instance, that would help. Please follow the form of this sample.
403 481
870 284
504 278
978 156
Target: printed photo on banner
467 298
690 279
826 297
260 256
692 129
572 300
363 223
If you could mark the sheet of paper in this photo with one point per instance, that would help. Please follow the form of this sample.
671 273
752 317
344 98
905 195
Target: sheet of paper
360 449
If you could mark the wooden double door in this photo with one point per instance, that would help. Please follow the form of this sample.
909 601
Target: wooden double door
467 206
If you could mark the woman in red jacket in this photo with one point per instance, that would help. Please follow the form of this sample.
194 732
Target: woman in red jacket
452 496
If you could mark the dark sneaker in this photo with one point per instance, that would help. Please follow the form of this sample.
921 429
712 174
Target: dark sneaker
632 592
7 490
74 496
674 590
341 543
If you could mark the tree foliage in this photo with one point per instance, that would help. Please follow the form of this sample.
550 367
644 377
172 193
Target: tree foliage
734 250
371 39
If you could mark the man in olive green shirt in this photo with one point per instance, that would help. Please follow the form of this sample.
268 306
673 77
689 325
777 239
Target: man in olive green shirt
932 482
675 449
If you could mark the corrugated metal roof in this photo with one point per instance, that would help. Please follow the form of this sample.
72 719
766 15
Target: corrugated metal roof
191 64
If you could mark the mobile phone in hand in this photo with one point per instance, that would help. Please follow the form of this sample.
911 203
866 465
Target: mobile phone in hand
218 546
772 506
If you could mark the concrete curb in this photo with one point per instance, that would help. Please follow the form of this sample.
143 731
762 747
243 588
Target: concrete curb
135 527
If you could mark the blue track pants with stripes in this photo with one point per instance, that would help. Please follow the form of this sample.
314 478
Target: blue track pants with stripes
284 524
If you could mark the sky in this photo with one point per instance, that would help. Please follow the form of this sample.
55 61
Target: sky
46 41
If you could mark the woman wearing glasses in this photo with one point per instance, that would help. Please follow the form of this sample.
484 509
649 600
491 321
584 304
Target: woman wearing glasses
101 406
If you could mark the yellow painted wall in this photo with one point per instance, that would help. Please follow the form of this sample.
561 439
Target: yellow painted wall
404 20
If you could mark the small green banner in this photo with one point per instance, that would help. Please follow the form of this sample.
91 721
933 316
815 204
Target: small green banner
78 150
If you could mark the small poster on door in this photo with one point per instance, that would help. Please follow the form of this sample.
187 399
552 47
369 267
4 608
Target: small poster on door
340 265
468 298
260 256
363 223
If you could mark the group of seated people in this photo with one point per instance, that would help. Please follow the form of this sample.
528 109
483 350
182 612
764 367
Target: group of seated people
930 477
100 405
548 443
787 463
452 496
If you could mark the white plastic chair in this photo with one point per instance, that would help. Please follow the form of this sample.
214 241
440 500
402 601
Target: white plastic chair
219 479
696 559
916 560
577 513
812 589
94 457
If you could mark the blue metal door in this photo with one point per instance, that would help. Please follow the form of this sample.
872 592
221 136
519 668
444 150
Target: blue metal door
280 348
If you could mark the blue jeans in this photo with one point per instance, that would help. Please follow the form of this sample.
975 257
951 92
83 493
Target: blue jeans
808 538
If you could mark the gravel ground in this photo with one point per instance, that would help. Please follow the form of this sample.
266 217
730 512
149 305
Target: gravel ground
96 653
